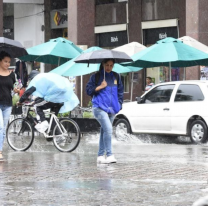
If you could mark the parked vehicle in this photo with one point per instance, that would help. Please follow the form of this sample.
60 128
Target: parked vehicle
173 108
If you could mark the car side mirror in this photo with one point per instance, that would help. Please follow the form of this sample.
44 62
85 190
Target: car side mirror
139 100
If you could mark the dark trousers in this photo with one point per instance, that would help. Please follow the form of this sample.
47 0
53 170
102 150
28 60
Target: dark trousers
41 104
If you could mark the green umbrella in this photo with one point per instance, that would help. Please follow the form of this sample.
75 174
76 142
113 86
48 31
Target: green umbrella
71 68
169 52
56 51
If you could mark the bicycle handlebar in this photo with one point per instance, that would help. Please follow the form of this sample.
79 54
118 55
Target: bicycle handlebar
29 104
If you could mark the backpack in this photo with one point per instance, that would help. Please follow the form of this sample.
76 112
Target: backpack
97 77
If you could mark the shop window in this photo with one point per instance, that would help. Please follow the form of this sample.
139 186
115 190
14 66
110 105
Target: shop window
125 81
162 74
151 9
65 33
59 4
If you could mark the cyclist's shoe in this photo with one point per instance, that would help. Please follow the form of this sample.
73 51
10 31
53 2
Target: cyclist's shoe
42 127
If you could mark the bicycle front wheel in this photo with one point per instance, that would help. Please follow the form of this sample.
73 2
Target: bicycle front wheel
68 139
20 134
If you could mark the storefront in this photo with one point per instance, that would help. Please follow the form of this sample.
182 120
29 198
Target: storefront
154 31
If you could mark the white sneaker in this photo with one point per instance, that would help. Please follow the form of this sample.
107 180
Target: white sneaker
42 127
111 159
101 159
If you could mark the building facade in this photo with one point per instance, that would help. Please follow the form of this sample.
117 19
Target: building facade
108 24
23 20
112 23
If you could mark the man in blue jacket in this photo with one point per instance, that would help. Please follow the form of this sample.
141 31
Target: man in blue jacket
107 92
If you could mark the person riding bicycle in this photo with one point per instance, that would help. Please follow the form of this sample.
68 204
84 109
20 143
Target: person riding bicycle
49 91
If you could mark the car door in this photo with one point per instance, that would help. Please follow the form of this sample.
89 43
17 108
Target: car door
154 111
188 101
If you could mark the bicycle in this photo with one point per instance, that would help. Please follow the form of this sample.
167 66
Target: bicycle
20 132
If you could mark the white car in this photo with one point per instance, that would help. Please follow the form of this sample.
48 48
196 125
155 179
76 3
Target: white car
174 108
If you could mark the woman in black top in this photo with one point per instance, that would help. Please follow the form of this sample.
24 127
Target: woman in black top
7 80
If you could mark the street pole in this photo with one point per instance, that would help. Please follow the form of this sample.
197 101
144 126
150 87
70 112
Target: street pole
170 70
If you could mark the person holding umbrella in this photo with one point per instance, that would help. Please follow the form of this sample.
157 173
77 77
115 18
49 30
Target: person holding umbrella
107 91
7 80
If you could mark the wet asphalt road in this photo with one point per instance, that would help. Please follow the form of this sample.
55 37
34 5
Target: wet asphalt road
151 171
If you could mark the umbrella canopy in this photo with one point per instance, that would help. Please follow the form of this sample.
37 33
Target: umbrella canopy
169 51
71 68
131 48
12 47
194 43
55 88
99 55
56 51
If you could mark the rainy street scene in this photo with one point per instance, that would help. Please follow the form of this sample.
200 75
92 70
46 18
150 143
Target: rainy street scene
103 103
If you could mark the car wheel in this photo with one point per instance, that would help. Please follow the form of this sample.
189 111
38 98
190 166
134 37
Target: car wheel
198 132
122 128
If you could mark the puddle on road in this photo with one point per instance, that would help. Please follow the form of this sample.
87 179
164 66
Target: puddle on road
140 139
106 184
41 144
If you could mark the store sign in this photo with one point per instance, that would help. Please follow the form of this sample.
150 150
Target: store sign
151 36
162 36
59 19
112 39
7 31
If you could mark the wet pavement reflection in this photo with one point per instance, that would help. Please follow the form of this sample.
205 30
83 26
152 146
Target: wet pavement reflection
151 170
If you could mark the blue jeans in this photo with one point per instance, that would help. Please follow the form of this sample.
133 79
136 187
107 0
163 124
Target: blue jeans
5 112
106 121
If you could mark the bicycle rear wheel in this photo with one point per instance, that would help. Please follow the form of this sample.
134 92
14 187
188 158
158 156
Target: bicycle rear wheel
20 134
69 140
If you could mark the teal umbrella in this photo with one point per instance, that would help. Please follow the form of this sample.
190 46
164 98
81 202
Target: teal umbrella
71 68
56 51
169 52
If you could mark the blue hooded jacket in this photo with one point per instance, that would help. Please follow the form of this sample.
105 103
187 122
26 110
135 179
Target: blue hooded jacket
110 98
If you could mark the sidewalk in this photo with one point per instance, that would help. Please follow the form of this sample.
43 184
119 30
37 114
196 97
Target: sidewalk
145 175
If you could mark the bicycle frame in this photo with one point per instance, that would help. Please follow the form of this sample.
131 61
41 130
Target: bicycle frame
52 117
55 118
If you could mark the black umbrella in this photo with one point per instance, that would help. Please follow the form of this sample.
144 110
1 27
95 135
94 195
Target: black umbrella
12 47
98 56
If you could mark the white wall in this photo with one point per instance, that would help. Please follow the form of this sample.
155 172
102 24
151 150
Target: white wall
27 30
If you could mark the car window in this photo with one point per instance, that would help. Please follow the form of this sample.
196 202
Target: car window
159 94
189 92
